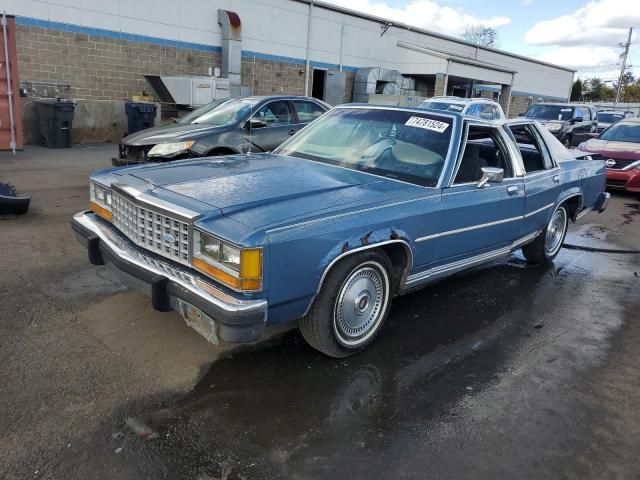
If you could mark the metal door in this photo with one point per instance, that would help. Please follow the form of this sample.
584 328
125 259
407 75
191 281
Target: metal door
10 112
334 87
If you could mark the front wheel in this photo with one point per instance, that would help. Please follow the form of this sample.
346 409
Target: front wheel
547 245
351 306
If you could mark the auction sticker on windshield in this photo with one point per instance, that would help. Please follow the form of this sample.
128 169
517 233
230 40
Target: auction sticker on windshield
427 124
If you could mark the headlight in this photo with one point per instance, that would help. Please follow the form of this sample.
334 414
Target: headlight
100 200
553 127
170 149
239 268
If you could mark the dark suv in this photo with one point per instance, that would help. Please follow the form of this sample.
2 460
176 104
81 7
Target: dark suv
570 123
223 127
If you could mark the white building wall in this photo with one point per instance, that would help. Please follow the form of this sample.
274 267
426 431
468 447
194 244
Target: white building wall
279 28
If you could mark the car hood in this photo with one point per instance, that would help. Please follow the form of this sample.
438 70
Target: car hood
618 150
173 132
266 189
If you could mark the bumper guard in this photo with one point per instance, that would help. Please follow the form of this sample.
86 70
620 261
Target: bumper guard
238 320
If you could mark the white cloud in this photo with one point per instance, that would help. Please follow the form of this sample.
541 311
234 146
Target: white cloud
576 57
424 14
588 38
599 23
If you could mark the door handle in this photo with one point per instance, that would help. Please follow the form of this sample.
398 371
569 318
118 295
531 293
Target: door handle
556 179
512 189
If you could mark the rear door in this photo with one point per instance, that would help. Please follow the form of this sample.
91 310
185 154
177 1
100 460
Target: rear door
279 125
479 220
542 177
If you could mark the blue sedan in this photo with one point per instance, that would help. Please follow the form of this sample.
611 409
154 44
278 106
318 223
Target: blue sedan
364 204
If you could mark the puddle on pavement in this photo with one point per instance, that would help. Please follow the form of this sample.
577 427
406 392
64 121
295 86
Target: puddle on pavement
633 210
274 402
280 408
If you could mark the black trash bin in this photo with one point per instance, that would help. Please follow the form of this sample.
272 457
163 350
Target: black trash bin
56 120
140 115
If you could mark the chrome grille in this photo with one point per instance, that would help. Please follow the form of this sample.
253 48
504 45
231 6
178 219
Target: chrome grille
151 230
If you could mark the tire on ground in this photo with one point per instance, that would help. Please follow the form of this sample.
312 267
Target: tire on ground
319 327
536 251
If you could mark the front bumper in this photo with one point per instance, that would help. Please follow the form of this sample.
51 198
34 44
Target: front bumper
169 285
624 179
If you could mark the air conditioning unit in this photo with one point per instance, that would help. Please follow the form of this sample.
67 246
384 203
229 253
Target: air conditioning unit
189 91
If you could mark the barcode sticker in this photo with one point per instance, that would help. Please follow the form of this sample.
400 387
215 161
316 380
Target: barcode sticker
427 124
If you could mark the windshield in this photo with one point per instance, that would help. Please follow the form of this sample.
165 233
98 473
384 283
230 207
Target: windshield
397 144
451 107
622 132
221 112
610 117
550 112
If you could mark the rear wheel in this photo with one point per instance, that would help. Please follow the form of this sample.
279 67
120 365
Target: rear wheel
547 245
352 305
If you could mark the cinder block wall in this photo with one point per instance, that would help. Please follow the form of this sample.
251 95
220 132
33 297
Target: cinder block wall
519 104
105 68
102 68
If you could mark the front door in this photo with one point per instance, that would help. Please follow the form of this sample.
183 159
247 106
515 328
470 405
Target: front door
480 220
278 125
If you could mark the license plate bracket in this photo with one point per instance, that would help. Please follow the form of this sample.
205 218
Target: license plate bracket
199 321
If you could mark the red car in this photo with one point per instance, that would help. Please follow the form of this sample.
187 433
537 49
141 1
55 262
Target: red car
619 146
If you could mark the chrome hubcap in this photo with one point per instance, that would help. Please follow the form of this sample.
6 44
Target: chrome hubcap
360 304
555 231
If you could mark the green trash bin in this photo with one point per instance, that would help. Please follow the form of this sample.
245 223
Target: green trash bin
55 118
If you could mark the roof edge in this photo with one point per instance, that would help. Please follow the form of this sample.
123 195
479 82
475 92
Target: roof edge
366 16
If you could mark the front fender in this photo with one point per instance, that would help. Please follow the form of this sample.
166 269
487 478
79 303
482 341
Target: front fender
364 241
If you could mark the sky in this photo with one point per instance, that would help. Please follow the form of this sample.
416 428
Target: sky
580 34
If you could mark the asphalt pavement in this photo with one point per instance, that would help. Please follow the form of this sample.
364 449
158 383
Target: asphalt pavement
508 371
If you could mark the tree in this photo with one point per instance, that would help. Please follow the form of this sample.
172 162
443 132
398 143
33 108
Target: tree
597 91
576 90
632 92
481 35
627 80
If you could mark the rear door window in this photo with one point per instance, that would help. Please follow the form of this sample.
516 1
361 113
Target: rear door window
535 154
486 111
307 111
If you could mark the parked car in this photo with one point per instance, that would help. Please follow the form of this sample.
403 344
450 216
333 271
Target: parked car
569 123
606 118
366 203
474 107
223 127
619 146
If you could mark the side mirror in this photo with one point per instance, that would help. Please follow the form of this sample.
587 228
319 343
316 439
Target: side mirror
521 114
256 123
491 174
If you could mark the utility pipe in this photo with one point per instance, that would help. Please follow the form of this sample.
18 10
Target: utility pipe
307 62
5 37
